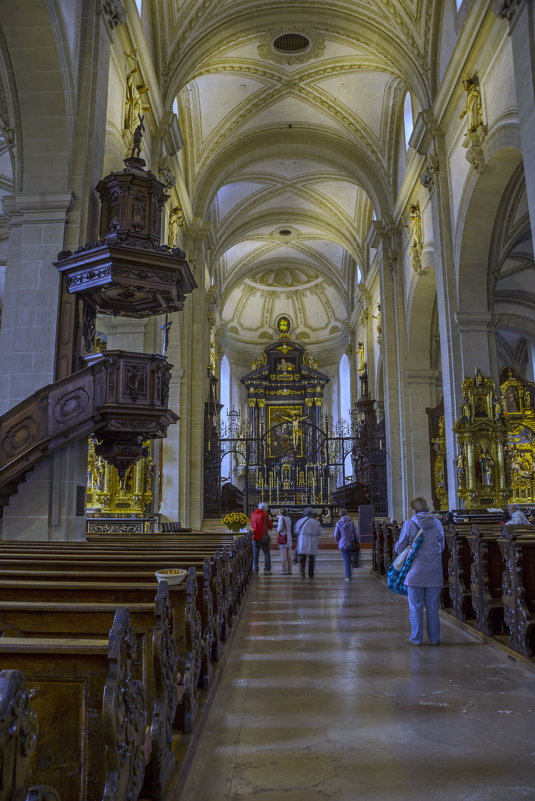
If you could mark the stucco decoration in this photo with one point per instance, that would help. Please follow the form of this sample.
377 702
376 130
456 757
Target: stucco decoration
268 50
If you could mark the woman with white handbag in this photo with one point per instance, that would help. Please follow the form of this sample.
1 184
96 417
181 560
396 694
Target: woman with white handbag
284 541
425 577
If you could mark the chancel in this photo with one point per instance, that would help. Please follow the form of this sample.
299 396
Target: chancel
265 264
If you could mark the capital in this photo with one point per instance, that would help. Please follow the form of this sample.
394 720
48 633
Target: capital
507 9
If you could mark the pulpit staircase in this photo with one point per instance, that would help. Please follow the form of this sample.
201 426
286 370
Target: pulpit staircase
120 397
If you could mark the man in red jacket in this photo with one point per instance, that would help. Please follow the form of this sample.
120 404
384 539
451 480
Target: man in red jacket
261 525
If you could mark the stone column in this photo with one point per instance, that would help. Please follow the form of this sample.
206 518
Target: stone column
435 179
394 348
123 333
478 342
419 395
29 319
521 17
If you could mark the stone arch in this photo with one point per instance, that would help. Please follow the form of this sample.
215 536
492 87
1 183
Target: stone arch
474 233
45 123
420 320
323 146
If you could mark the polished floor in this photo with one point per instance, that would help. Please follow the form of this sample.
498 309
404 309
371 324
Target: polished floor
321 699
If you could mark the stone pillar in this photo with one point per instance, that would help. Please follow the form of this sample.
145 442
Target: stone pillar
394 349
195 358
29 319
521 17
50 501
478 343
419 395
435 179
170 446
124 333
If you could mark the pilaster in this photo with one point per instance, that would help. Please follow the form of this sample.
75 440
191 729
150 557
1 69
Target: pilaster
520 15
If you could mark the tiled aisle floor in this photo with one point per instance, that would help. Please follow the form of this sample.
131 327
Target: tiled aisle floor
321 699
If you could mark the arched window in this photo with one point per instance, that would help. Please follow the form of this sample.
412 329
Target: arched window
408 121
359 275
224 398
175 106
344 379
224 385
139 4
344 395
459 3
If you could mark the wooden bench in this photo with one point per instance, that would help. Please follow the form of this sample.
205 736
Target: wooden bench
378 558
486 577
19 736
517 545
459 563
91 710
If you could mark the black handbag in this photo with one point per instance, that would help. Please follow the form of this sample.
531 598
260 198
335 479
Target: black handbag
355 552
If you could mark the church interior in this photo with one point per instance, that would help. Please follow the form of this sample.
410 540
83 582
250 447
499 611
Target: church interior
270 253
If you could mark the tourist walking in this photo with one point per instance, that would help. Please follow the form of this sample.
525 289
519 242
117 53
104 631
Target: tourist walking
425 577
284 541
261 525
308 530
347 536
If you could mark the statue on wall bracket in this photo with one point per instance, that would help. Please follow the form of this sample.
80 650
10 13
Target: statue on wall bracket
477 130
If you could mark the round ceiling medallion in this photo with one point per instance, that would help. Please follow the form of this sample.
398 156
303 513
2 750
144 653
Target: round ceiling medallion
285 234
291 45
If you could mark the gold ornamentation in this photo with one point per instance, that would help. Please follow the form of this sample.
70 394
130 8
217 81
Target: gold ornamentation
439 465
108 495
477 130
416 234
517 406
482 431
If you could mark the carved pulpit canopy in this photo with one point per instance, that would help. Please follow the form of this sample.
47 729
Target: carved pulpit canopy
128 271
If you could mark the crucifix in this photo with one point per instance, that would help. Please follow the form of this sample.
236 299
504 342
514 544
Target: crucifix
165 328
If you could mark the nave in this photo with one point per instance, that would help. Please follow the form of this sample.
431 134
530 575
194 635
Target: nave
322 699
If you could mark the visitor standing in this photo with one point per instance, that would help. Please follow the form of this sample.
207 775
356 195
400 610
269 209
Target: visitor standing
308 530
261 525
284 541
518 518
425 577
347 536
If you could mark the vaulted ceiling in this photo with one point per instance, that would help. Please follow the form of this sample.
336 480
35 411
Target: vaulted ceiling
291 114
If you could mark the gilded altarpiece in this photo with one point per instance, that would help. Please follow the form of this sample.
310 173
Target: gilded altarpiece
108 496
482 433
518 399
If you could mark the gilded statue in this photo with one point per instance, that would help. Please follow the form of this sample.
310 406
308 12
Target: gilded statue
473 109
360 355
417 239
486 464
176 221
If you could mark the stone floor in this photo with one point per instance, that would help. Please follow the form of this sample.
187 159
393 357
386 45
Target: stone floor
321 699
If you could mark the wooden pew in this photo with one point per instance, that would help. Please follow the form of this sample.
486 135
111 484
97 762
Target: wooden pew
517 545
459 563
390 537
378 562
486 576
19 737
91 711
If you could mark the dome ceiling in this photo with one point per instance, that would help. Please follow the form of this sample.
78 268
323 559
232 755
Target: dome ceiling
291 116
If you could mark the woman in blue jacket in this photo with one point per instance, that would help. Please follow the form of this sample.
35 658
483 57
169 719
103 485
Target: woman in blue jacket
425 577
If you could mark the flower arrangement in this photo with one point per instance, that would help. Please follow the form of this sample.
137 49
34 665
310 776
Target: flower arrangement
235 521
